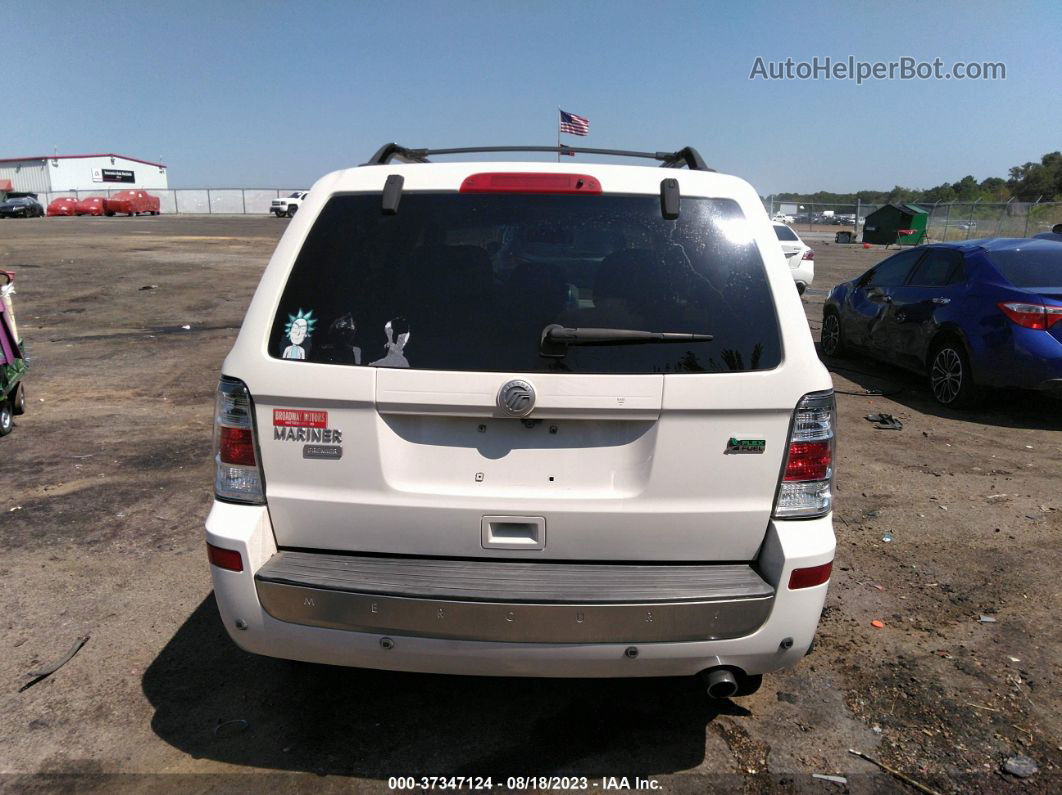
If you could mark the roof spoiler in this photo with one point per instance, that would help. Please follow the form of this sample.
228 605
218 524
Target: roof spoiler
687 156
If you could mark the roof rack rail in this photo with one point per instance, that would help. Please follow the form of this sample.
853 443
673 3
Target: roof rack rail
687 156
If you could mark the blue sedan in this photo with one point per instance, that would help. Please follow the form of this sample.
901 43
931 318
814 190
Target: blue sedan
976 313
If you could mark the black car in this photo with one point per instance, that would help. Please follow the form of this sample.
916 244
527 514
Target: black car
21 207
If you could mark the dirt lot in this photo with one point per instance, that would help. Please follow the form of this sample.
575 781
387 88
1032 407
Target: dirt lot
107 480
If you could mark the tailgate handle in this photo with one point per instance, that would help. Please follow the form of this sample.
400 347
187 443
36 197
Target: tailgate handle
513 532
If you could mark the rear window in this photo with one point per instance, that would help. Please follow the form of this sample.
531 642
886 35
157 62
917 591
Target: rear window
785 233
468 282
1037 264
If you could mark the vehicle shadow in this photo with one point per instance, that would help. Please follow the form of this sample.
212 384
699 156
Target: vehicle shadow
375 724
1004 408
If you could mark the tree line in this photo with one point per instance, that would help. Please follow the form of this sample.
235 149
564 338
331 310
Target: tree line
1026 183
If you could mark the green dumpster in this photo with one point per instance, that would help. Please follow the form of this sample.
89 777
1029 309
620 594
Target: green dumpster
883 226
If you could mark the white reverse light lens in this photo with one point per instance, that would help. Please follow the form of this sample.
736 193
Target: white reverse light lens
812 498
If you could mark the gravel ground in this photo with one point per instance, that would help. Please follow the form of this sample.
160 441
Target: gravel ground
106 482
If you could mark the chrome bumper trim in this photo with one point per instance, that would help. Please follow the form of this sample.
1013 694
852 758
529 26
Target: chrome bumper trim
514 622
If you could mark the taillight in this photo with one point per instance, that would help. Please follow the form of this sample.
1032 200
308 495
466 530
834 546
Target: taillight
226 558
237 476
809 254
1034 316
805 487
807 461
236 446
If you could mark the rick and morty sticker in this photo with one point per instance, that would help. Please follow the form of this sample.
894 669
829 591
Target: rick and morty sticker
339 346
398 336
298 330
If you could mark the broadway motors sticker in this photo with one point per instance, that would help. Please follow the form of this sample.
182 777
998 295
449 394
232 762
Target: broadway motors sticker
299 418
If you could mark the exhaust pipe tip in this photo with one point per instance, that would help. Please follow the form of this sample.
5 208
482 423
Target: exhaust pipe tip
721 682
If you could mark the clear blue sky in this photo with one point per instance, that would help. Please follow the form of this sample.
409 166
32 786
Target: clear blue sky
277 93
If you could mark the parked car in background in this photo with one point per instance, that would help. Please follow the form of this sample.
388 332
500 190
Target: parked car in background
288 205
62 206
1055 234
588 457
799 256
970 314
92 205
782 218
131 202
21 207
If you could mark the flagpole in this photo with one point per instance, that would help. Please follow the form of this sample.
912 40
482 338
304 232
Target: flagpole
558 134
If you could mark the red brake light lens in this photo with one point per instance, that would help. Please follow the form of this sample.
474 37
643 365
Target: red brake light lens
228 559
508 182
810 577
809 254
808 461
1034 316
236 446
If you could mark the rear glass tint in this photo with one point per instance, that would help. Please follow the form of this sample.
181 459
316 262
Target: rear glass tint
468 282
785 233
1037 264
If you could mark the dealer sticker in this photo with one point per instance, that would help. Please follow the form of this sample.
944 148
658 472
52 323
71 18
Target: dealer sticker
299 418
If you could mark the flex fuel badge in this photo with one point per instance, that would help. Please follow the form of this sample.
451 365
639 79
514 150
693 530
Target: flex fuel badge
735 445
311 428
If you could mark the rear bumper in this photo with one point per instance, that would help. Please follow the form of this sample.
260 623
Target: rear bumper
342 627
1031 360
514 602
803 272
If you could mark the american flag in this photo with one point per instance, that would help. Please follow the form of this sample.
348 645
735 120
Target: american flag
574 125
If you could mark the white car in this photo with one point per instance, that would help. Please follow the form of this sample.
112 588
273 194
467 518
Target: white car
799 256
288 205
782 218
526 419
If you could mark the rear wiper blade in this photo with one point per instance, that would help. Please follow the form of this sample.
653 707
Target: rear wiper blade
556 338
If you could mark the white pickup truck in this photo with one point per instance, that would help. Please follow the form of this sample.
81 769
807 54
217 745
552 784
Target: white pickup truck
289 205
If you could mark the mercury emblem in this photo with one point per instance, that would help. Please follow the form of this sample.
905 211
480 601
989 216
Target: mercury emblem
516 398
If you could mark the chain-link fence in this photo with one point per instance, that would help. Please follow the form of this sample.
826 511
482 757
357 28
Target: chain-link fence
968 220
952 221
206 201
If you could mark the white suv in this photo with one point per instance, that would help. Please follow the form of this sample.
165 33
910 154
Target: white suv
289 205
526 419
799 255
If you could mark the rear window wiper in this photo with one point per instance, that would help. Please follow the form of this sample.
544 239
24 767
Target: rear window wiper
556 338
